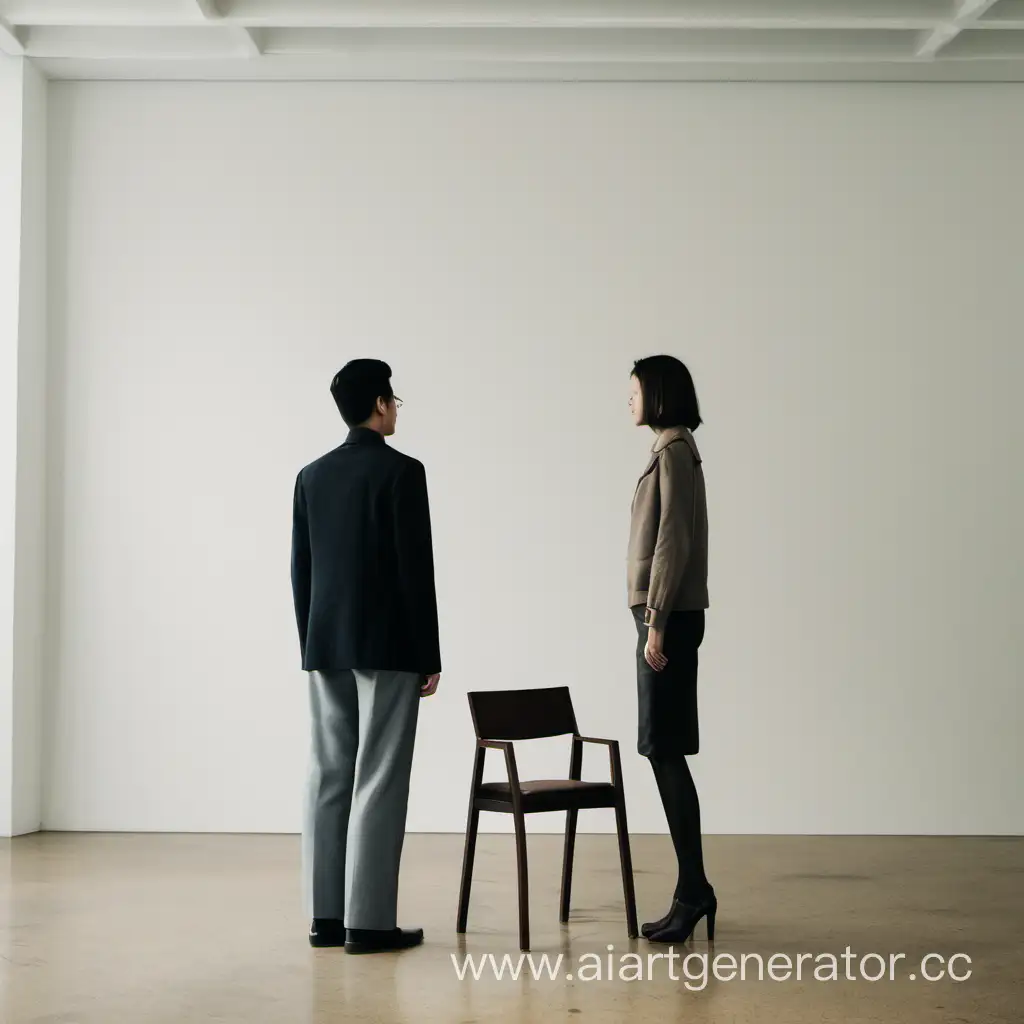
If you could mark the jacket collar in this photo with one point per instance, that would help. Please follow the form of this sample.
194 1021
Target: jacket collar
364 435
672 434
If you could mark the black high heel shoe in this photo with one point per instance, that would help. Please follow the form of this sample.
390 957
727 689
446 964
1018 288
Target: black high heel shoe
650 927
684 919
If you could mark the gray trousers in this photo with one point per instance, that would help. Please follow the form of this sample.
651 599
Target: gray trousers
364 728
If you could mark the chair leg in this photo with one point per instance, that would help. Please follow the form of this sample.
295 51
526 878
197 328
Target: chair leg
467 868
626 862
524 888
570 847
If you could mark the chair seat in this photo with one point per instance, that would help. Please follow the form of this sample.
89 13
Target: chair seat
548 795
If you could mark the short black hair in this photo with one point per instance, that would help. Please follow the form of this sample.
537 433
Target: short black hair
357 386
670 399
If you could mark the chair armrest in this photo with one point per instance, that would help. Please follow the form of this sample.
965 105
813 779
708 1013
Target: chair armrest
614 760
510 764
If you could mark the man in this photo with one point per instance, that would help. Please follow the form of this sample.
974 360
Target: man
363 582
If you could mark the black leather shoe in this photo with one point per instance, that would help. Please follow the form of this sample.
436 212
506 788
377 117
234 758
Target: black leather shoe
367 940
684 919
326 931
650 927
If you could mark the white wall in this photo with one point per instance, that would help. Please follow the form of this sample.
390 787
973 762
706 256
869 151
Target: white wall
23 270
839 265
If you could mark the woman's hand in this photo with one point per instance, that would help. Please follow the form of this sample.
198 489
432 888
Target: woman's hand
654 651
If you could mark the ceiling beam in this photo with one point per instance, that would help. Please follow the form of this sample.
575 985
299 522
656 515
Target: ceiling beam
192 42
250 40
209 9
278 38
101 13
334 68
1008 14
968 13
588 45
891 15
9 41
836 15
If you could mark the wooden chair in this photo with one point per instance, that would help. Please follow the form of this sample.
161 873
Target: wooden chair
501 716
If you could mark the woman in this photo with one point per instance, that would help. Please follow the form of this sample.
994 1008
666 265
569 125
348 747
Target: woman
668 593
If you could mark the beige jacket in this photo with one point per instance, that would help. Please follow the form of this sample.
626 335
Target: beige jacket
667 568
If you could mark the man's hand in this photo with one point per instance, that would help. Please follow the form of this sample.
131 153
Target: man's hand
429 686
653 652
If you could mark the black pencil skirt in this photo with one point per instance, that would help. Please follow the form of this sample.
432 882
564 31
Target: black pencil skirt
667 701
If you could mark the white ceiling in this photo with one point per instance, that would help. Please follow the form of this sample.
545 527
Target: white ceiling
566 40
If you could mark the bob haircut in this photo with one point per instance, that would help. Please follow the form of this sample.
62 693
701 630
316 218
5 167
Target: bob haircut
670 399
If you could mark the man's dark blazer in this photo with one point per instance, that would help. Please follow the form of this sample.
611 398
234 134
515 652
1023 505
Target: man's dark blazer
362 561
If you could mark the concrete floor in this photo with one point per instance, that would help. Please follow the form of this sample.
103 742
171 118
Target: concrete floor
145 929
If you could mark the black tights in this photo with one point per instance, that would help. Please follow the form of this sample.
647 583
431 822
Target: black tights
682 809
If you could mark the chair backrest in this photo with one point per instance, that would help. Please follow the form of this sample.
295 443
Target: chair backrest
522 714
